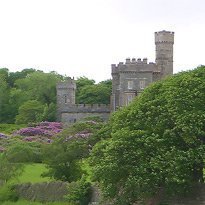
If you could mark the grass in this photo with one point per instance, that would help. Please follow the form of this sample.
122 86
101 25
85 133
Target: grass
10 128
32 173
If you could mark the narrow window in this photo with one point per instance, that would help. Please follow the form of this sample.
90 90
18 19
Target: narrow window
130 85
142 84
65 99
129 99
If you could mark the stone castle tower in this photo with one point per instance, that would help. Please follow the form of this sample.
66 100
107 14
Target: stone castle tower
69 112
66 93
130 78
164 41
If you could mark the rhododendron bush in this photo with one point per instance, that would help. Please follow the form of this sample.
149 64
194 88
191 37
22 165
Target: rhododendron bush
42 129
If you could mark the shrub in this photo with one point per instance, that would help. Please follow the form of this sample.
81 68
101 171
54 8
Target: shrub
10 128
7 193
79 192
41 129
22 152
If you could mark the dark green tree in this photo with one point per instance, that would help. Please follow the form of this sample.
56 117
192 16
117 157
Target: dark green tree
157 143
95 93
13 76
4 98
65 155
30 111
81 82
8 170
40 86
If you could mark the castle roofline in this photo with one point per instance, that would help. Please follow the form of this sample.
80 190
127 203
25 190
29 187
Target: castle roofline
164 32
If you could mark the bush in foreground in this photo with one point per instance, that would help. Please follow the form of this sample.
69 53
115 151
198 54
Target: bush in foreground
157 143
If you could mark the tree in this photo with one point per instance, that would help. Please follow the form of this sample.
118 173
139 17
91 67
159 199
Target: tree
95 93
8 170
40 86
65 155
4 98
13 76
23 152
80 84
30 111
156 144
4 72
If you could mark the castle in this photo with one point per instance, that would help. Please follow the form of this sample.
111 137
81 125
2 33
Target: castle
128 80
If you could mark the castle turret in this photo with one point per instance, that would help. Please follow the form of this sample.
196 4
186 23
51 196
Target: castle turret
65 95
164 41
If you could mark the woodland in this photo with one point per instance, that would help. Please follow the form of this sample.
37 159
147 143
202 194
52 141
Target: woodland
151 149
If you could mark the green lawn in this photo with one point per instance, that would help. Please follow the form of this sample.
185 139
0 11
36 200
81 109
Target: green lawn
32 173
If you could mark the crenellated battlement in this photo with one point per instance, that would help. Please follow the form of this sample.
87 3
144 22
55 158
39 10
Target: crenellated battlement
164 37
86 108
129 78
132 65
136 74
68 111
164 41
68 84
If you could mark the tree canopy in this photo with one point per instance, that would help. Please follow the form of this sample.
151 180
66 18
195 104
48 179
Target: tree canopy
17 88
90 93
156 143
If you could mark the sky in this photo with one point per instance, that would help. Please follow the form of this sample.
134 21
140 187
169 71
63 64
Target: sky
84 37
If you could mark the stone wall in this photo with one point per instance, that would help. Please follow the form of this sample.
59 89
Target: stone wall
47 191
74 113
55 191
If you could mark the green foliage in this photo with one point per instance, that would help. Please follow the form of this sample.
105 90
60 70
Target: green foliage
13 76
7 193
90 93
79 192
10 128
32 173
30 111
63 159
64 156
49 113
8 170
40 86
16 88
4 93
157 143
23 152
24 202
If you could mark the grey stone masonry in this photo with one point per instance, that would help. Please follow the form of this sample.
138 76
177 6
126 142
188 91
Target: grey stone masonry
69 112
130 78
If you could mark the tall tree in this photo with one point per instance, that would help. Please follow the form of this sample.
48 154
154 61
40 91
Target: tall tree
4 98
156 143
30 111
40 86
95 93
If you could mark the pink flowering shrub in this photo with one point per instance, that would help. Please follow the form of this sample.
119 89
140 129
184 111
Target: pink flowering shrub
42 129
3 136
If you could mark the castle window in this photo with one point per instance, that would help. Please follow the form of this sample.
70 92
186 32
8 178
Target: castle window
130 85
142 84
129 98
65 99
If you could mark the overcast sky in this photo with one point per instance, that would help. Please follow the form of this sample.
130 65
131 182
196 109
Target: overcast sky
84 37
